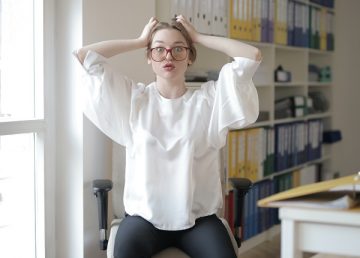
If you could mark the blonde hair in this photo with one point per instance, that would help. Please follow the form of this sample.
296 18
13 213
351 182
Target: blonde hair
176 26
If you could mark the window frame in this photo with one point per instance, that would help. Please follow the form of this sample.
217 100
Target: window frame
42 126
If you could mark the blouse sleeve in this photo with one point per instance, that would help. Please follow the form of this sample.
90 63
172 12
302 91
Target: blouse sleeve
107 97
236 102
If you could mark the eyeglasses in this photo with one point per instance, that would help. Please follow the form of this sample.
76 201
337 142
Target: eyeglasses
159 54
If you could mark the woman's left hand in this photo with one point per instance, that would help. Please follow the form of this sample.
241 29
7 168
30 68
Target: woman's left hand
189 28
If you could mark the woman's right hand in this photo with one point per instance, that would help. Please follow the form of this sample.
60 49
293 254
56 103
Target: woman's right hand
145 35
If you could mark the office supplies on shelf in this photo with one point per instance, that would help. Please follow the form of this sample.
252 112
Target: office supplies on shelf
319 74
331 136
320 102
293 106
281 75
314 73
340 193
325 74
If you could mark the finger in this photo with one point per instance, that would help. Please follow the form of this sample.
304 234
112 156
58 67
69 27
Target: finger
180 16
155 21
152 20
181 19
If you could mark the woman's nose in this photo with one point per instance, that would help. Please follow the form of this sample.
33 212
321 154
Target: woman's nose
168 55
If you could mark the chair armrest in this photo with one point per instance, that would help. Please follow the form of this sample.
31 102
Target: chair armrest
101 187
241 184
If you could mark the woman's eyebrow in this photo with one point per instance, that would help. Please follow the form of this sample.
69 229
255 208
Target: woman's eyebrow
174 43
158 41
179 42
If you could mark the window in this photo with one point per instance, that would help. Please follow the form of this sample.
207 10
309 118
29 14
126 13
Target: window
22 129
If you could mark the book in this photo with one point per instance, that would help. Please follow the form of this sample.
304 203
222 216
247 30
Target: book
340 193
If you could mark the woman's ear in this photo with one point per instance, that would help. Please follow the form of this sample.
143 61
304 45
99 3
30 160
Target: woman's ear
149 61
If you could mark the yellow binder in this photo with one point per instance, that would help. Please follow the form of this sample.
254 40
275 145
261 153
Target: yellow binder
280 22
248 19
234 28
241 153
323 21
231 154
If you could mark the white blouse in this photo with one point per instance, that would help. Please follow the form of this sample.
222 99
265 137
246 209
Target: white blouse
172 145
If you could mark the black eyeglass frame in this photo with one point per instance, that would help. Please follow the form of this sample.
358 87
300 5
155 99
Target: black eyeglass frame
169 50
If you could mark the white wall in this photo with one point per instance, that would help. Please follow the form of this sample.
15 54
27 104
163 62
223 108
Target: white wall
50 147
69 131
83 153
104 20
346 90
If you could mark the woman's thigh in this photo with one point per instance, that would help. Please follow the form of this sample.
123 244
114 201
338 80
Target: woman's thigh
137 238
207 239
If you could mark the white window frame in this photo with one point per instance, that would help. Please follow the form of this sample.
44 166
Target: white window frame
42 126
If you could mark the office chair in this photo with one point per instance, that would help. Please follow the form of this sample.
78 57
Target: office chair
101 187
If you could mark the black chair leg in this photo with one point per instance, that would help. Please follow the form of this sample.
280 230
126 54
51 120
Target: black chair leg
101 189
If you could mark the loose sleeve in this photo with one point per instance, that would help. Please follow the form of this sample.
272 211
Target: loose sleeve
107 97
236 102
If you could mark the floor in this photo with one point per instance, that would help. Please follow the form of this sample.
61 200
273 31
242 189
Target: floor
271 249
265 250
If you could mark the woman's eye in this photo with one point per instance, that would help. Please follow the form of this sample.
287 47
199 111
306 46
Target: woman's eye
178 49
159 49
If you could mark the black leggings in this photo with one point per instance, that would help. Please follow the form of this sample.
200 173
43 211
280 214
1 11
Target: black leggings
138 238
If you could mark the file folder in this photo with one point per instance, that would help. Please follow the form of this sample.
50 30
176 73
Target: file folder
271 21
280 22
330 31
256 20
232 154
248 19
219 24
291 22
265 21
346 186
234 28
323 30
306 27
241 153
201 16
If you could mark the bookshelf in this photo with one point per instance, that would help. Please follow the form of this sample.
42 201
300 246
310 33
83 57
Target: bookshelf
296 56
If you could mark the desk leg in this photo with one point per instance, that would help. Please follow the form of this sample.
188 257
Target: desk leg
289 247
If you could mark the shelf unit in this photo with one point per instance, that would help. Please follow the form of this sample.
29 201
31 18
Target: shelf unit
269 90
293 59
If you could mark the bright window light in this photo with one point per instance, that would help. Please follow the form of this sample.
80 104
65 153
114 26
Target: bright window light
17 59
17 196
22 130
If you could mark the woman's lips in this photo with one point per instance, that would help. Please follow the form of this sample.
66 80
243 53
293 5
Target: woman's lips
169 67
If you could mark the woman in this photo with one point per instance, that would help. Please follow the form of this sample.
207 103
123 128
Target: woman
172 136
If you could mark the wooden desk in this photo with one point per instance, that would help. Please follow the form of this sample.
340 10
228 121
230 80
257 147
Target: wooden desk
319 231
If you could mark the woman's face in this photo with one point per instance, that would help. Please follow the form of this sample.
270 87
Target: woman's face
169 68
